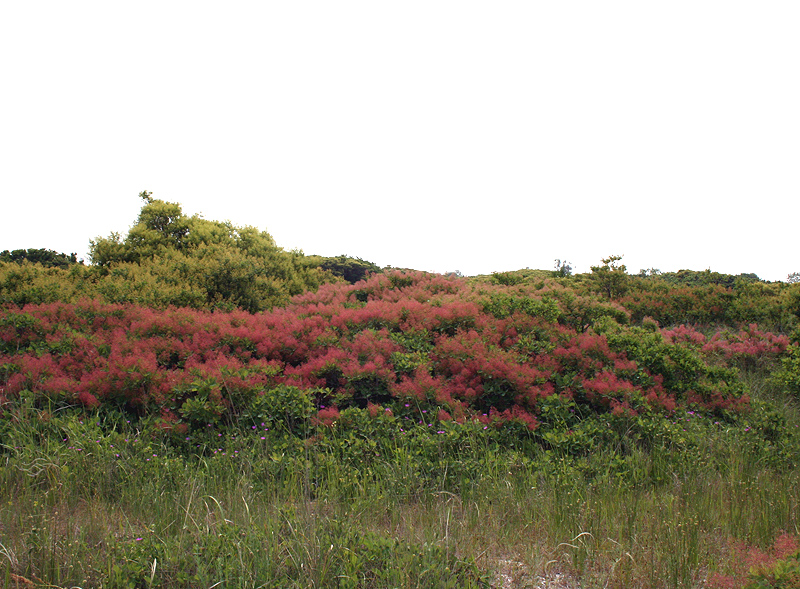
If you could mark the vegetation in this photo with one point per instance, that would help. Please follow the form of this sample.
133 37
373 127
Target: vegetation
610 279
199 408
47 258
168 258
350 269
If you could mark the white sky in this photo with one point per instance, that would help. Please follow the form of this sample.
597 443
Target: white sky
436 135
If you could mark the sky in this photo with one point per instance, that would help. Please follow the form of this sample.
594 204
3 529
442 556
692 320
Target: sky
477 136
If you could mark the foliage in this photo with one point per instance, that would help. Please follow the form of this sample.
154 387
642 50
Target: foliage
703 278
360 559
777 567
507 278
156 432
400 497
160 226
168 258
775 306
788 375
477 352
46 257
562 268
610 279
750 348
350 269
781 574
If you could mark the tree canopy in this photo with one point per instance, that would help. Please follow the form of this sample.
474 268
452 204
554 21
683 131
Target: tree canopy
350 269
46 257
168 258
162 227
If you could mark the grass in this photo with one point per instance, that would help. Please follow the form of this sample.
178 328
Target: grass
91 500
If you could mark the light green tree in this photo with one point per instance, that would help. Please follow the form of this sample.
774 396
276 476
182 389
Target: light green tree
233 266
611 279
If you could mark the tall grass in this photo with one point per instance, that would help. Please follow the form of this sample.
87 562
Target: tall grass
94 501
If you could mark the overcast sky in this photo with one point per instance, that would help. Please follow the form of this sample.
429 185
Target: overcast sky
436 135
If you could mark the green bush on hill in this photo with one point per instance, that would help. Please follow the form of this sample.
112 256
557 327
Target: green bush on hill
169 258
389 432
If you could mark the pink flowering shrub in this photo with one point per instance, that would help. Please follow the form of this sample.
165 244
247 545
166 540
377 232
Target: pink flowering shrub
462 350
684 334
748 348
751 564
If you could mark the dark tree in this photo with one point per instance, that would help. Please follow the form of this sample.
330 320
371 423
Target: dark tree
351 269
45 257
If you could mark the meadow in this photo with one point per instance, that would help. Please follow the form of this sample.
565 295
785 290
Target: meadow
199 408
409 430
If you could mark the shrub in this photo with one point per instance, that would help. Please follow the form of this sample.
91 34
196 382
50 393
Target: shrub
473 351
787 376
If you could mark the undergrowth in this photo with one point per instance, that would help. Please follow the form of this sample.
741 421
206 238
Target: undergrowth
394 497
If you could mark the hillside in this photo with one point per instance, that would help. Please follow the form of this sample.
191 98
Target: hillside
198 406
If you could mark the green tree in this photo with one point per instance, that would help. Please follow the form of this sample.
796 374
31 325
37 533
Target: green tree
562 268
47 258
350 269
611 279
159 227
232 266
24 283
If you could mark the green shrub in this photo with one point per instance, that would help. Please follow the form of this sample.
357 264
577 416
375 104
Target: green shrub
787 377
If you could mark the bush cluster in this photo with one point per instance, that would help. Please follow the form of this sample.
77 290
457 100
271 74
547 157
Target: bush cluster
169 258
464 351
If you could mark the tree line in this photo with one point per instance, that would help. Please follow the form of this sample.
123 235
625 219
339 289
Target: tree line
170 258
